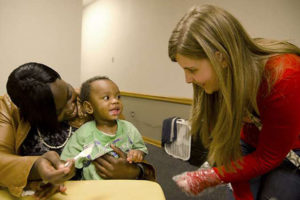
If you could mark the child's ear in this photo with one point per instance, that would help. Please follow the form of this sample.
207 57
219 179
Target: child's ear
88 108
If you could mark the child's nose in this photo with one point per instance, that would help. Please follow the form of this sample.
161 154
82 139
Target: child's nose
115 100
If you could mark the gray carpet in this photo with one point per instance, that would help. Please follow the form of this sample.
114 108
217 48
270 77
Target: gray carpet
167 166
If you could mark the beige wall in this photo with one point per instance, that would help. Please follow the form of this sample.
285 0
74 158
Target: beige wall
46 31
148 115
127 39
124 39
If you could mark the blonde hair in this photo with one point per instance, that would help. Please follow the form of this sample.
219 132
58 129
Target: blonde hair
217 117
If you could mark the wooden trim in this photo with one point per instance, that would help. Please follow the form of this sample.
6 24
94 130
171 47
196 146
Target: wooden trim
152 141
185 101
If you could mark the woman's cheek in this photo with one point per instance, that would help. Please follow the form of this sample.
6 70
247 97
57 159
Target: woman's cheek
60 117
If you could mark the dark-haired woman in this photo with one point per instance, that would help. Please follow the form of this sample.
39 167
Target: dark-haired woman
37 117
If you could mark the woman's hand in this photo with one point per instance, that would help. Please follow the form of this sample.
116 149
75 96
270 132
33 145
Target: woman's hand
109 167
51 169
47 190
193 183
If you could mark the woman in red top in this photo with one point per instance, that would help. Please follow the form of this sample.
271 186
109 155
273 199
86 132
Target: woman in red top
246 105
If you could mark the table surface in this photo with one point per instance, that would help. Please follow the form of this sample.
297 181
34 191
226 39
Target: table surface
104 190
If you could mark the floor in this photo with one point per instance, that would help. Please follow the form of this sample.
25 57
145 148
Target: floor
166 167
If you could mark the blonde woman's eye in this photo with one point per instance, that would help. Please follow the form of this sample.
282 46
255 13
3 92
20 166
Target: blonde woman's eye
193 70
190 70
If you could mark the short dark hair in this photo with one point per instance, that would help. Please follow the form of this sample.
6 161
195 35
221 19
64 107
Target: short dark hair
29 89
86 87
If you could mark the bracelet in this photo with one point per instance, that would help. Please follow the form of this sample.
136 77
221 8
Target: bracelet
142 171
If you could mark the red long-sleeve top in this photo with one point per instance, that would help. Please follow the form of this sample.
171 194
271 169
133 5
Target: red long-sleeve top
280 117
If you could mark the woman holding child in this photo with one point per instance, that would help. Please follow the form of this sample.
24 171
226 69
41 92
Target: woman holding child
36 121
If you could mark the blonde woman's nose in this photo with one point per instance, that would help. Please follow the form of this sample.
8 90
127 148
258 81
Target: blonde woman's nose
188 78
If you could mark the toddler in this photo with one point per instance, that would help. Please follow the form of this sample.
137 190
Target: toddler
101 98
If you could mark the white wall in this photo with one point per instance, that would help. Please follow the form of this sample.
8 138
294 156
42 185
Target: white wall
128 39
46 31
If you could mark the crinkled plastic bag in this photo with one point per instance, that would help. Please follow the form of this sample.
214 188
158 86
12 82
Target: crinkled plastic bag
206 191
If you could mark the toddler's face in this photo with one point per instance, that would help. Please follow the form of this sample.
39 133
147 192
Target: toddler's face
105 99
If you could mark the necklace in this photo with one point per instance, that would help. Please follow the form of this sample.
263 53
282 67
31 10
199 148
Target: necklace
55 147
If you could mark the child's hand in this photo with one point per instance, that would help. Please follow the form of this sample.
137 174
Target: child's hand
135 156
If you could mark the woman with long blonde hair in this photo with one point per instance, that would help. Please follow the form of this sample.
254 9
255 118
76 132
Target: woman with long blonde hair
245 107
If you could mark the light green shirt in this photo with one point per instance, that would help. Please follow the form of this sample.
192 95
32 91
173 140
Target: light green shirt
127 137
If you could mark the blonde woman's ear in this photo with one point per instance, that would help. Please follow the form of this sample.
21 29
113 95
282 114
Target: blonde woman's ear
221 59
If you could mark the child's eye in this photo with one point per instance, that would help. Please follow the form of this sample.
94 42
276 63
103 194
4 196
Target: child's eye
119 96
106 98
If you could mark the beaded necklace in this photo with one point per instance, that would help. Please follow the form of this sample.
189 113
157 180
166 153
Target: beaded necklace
55 147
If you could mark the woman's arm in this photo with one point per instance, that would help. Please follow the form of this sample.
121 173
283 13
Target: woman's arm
280 116
109 167
16 170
